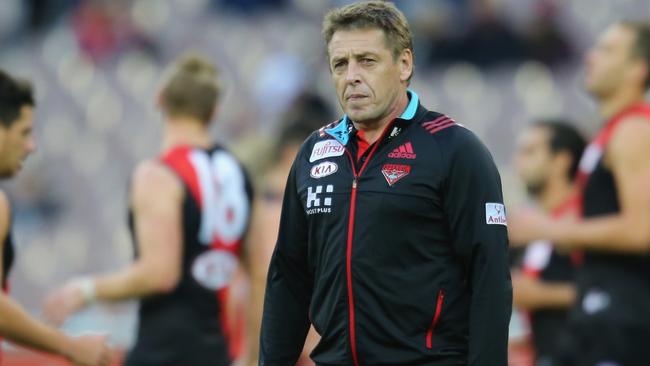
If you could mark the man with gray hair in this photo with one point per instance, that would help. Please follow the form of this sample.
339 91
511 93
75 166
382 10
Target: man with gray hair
393 239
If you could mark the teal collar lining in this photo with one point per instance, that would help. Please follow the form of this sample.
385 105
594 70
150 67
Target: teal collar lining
341 131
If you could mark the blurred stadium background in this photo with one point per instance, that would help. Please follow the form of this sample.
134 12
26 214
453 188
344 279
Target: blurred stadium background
494 65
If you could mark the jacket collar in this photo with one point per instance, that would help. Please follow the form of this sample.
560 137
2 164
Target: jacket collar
341 132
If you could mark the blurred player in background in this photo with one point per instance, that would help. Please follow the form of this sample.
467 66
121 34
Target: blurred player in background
302 118
546 161
190 211
611 320
16 143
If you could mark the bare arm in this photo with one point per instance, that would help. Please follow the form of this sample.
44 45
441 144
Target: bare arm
19 327
628 231
534 294
156 201
15 324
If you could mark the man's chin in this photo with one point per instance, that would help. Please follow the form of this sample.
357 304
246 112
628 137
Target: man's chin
360 116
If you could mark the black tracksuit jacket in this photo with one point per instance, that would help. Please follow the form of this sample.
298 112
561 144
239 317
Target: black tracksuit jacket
398 257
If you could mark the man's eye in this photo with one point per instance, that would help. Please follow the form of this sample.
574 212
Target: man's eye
367 60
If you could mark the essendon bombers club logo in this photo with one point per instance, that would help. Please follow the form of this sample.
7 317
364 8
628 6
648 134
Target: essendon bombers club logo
394 172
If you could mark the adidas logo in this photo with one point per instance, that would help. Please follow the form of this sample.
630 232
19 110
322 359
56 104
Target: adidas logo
405 151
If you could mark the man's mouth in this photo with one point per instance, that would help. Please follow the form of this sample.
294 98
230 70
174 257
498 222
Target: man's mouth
356 97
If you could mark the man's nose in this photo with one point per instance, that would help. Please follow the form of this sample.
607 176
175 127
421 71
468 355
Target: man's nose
352 75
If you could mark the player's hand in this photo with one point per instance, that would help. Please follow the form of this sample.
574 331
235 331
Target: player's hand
524 287
527 225
63 302
89 351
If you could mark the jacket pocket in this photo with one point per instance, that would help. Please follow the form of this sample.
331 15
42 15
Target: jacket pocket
436 317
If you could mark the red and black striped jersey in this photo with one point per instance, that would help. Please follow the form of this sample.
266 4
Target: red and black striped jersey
612 287
188 326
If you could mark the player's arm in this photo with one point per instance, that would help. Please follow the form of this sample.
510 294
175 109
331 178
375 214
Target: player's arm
15 324
285 319
473 181
628 156
156 200
534 294
19 327
156 197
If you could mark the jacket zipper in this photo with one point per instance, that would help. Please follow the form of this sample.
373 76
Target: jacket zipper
348 270
348 256
436 317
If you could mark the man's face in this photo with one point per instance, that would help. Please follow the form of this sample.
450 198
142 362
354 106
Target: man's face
533 159
16 143
367 78
611 64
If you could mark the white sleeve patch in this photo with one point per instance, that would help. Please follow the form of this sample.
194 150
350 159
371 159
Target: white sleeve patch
495 214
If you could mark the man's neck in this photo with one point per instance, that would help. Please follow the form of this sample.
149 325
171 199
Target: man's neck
373 129
185 131
618 102
556 193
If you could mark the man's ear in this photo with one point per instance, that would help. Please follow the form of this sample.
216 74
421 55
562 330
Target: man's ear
406 65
